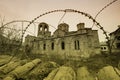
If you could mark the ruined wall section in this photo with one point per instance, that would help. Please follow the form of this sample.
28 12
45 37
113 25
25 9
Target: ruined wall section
81 43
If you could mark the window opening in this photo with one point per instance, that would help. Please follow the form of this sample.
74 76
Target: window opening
77 45
63 45
44 46
52 46
104 47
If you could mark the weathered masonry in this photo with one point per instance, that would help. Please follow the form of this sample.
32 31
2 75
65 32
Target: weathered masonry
81 43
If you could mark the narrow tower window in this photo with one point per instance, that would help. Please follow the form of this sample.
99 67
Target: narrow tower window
44 46
77 45
40 27
52 45
63 45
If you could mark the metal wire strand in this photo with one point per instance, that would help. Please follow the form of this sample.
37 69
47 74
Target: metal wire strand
61 18
103 9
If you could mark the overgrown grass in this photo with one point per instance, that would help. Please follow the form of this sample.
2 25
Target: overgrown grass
94 63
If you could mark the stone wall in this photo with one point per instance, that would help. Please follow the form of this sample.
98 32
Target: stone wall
81 43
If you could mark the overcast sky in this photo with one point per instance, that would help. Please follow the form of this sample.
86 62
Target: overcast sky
29 9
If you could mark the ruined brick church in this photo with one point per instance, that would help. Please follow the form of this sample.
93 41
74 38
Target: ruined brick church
83 42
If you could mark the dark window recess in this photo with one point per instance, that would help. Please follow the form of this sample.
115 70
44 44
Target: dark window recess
104 47
44 46
45 26
118 38
34 40
118 45
63 45
52 46
40 27
77 45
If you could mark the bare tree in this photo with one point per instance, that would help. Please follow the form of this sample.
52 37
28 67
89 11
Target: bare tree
9 36
2 20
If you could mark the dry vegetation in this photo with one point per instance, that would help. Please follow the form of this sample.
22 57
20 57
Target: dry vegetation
93 64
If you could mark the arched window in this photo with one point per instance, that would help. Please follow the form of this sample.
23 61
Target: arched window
52 45
62 45
40 27
44 46
104 47
101 48
76 44
45 29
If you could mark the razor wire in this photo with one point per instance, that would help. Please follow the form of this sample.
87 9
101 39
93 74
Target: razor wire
103 10
67 10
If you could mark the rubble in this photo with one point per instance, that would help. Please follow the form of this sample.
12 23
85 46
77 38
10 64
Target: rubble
108 73
47 70
22 70
41 71
83 74
62 73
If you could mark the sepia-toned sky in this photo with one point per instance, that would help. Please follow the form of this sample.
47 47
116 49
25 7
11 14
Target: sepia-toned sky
29 9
